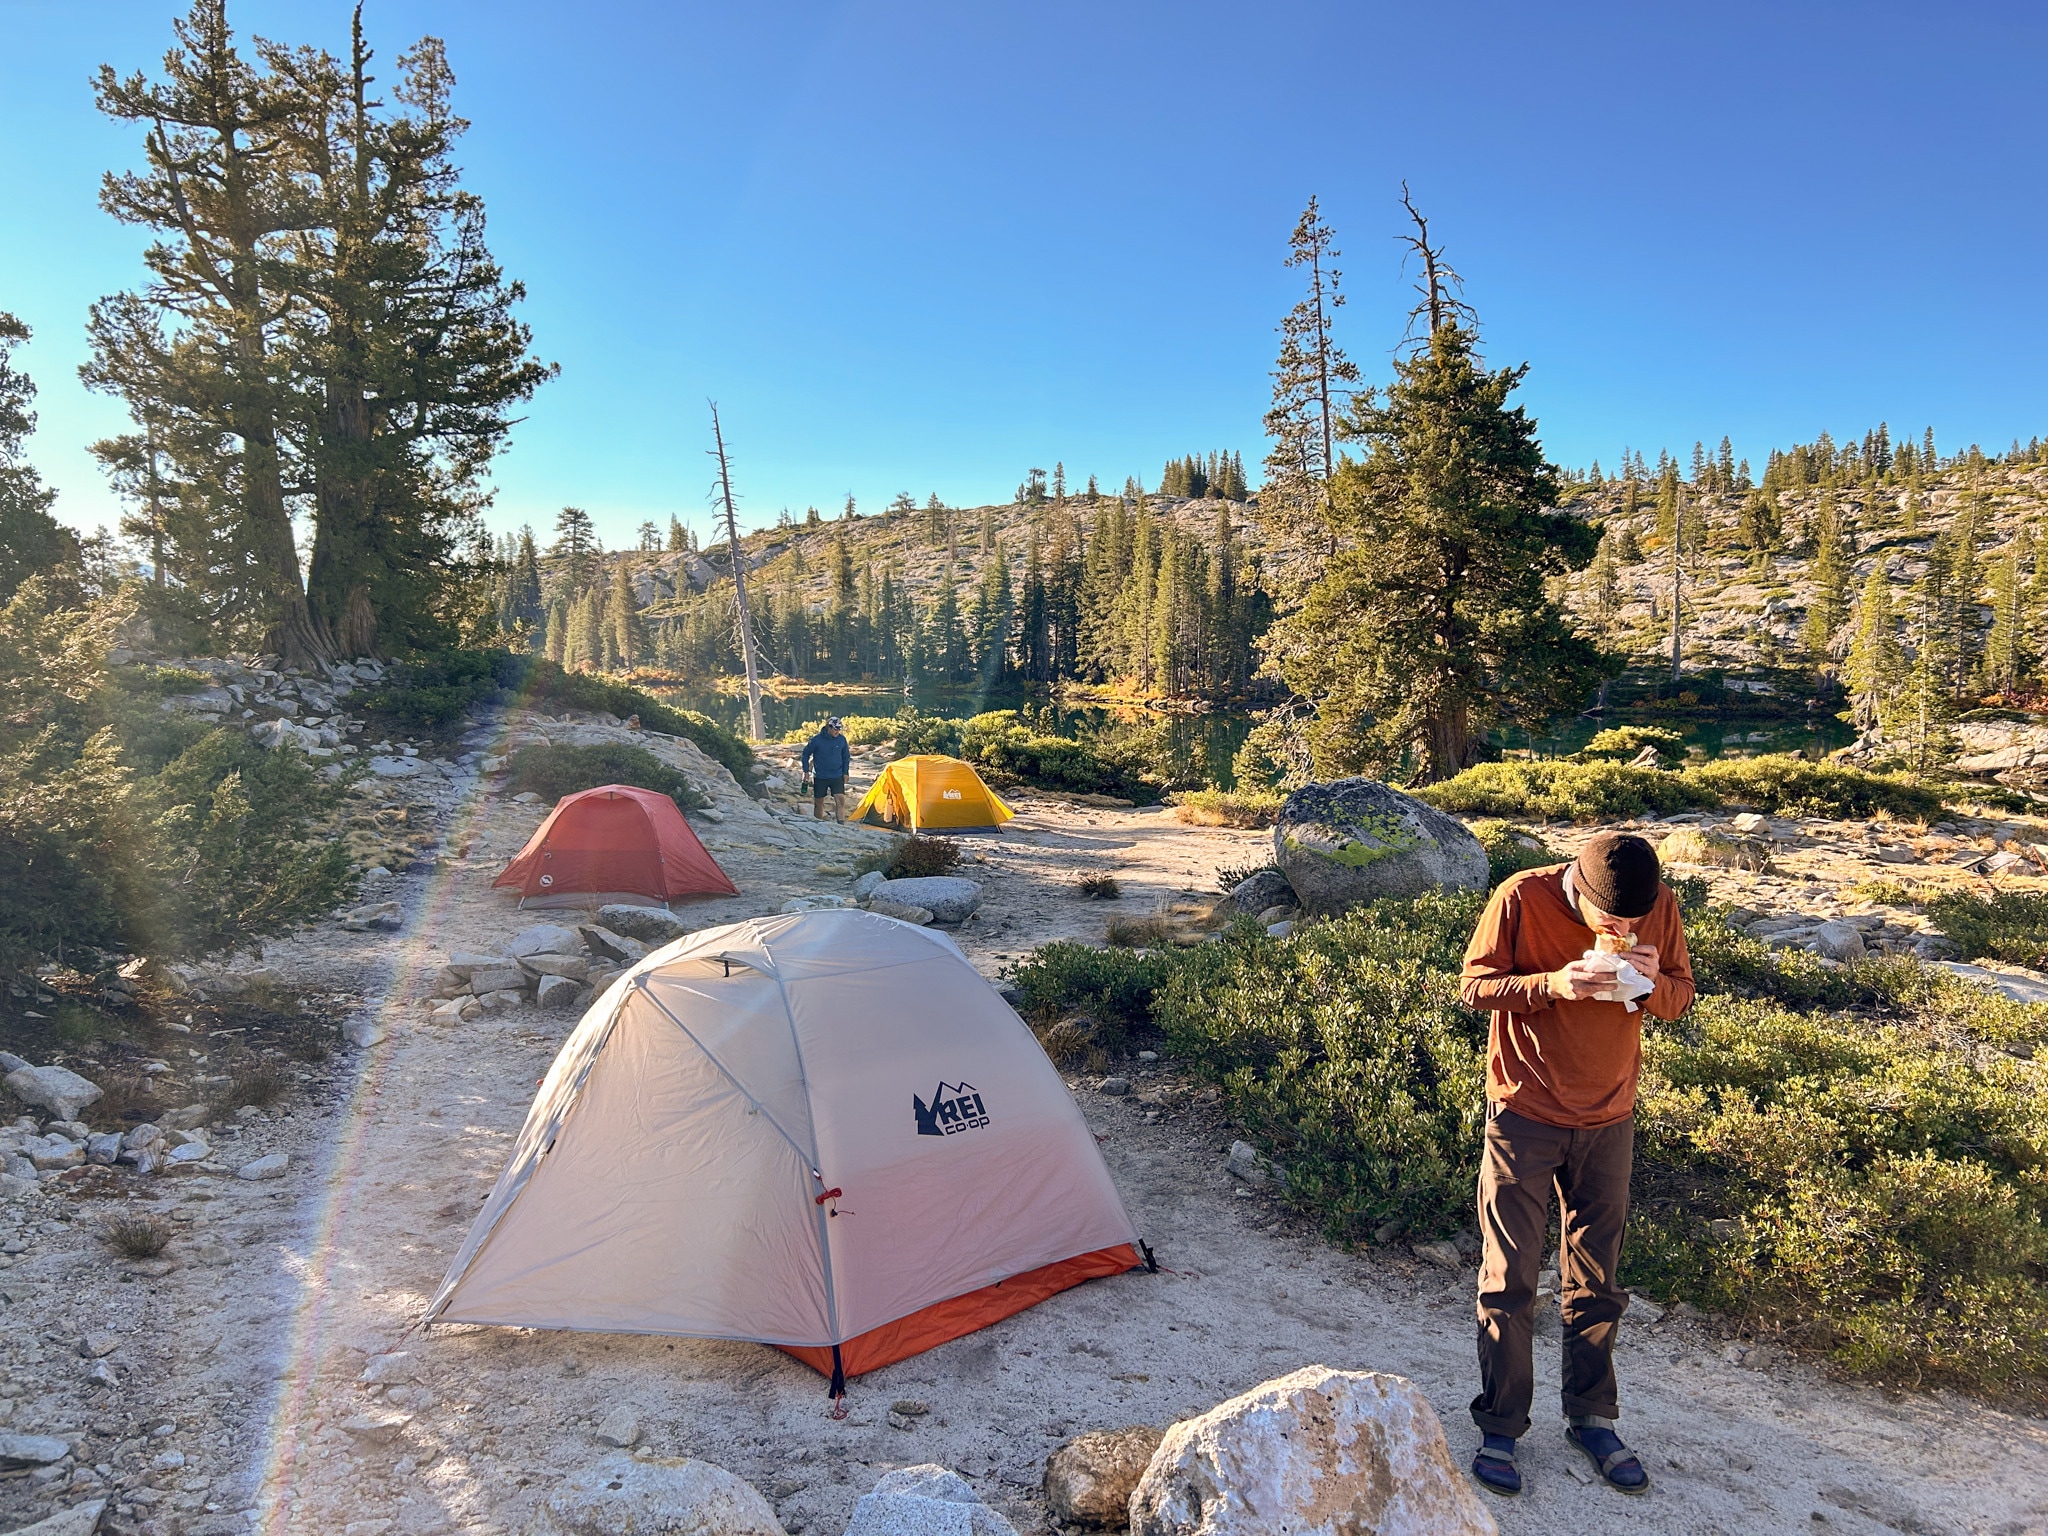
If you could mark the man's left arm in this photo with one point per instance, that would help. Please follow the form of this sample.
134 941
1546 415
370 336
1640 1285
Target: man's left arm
1673 993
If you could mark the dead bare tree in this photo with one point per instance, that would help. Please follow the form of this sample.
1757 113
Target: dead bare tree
1440 285
755 731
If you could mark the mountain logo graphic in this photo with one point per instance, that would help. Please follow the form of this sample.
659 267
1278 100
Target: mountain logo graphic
954 1107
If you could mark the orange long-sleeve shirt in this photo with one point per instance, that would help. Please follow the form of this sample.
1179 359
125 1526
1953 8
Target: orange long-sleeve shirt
1562 1061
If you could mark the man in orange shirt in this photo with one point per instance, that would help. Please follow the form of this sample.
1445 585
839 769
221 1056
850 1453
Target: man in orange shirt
1562 1060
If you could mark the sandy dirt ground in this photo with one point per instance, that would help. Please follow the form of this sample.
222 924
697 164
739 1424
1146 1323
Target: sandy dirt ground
243 1360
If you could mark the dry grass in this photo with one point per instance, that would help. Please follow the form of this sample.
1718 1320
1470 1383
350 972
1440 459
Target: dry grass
1070 1043
918 856
1179 923
1098 887
126 1100
1226 808
136 1236
261 1085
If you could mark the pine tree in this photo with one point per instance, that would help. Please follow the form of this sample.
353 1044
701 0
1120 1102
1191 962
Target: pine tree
1311 377
1829 608
555 646
31 540
1876 671
575 544
629 630
1758 525
524 611
1965 580
1436 621
2006 651
1724 467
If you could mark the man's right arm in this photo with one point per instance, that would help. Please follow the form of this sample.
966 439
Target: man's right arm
1489 981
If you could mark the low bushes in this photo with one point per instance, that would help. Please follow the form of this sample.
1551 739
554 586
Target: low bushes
860 730
1841 1156
2011 926
434 692
552 772
1611 791
1511 849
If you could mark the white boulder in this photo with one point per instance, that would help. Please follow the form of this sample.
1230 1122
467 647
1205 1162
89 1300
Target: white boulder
544 939
671 1495
925 1501
58 1089
1319 1452
651 925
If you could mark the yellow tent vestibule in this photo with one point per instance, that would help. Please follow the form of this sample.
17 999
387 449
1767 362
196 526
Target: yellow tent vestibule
932 791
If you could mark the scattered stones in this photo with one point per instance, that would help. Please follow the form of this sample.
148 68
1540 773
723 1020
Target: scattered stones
397 767
389 1369
1089 1480
1443 1255
813 904
1262 890
510 980
652 925
377 1426
676 1495
1750 824
554 992
78 1520
270 1167
1356 840
575 967
607 945
103 1147
1839 941
382 917
925 1501
18 1451
1696 845
1243 1163
1114 1087
363 1031
949 898
864 885
97 1346
1315 1453
620 1427
544 939
58 1089
1644 1310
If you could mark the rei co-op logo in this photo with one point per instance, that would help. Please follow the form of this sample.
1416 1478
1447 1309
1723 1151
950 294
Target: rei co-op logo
949 794
955 1107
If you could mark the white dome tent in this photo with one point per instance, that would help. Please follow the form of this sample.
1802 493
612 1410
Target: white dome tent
823 1131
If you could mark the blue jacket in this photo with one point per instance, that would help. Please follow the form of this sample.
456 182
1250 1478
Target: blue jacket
827 757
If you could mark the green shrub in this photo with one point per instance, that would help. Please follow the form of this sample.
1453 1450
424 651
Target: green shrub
1555 791
552 772
2011 926
921 735
1006 748
1511 849
1883 1184
1622 742
860 730
1792 786
434 692
1611 791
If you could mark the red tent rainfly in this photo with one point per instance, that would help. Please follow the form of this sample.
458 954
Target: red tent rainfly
614 841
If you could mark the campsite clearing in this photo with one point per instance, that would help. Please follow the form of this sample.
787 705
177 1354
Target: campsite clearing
253 1347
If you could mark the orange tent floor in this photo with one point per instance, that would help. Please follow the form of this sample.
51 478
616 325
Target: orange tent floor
944 1320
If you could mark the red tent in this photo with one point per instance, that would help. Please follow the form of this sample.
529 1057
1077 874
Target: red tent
614 841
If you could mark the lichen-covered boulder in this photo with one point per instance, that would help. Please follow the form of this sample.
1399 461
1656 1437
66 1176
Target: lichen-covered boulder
1320 1452
1357 840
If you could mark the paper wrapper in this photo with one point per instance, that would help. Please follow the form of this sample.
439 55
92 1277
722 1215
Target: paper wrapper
1629 983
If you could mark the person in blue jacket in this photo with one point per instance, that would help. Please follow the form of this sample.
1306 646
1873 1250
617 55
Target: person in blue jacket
826 762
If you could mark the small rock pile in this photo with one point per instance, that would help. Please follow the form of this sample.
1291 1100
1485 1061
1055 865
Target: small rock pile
550 965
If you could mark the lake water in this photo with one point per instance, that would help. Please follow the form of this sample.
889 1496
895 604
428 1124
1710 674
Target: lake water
1201 746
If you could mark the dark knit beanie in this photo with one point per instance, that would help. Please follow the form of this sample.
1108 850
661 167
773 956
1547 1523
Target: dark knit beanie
1619 874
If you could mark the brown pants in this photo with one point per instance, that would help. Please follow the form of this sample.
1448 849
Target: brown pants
1523 1160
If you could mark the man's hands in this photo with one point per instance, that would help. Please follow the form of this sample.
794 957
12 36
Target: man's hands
1584 979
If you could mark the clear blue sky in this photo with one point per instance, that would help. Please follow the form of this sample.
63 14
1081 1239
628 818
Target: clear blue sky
924 247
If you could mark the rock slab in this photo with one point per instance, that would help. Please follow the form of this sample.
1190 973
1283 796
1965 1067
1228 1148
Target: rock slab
949 898
1261 891
1089 1480
58 1089
651 925
1357 840
1319 1452
925 1501
621 1495
78 1520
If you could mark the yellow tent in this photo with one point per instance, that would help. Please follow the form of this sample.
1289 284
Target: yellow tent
932 791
